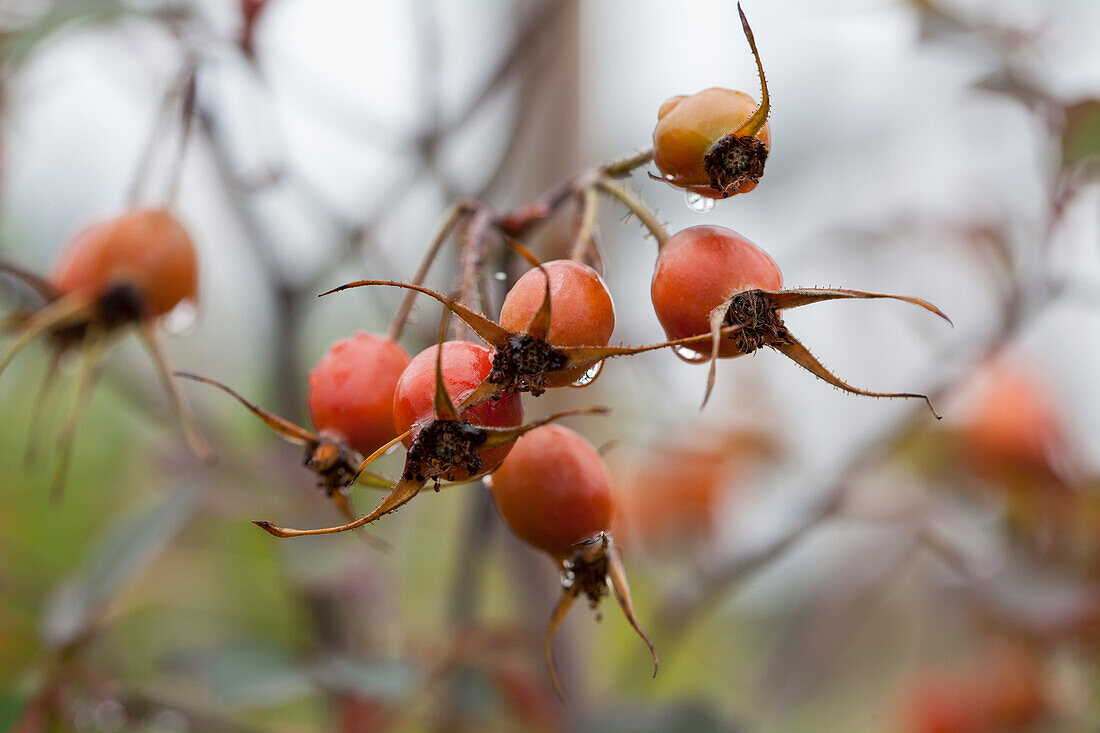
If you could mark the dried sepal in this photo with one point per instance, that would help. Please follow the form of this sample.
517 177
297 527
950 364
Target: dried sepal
336 465
800 355
798 297
522 361
503 436
39 284
155 346
539 327
285 428
489 331
442 405
343 504
717 319
373 480
561 610
738 158
756 121
42 406
55 315
757 314
616 578
403 491
419 468
595 567
89 372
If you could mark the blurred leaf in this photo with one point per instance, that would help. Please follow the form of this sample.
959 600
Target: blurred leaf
1081 139
11 706
122 551
390 680
254 675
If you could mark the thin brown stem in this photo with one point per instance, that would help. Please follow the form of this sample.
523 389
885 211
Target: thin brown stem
475 248
148 152
582 242
453 217
187 116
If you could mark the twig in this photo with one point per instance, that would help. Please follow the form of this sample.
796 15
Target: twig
637 207
582 242
452 219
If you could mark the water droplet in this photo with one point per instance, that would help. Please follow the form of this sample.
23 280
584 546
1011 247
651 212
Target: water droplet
688 355
590 376
500 275
697 203
182 320
488 481
567 579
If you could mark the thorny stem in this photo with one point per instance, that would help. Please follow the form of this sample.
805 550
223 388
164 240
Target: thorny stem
637 207
520 222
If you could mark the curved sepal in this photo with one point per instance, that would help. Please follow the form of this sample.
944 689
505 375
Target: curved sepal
191 433
285 428
373 456
561 609
442 404
37 283
402 492
616 578
800 355
539 327
65 311
798 297
490 332
755 123
92 357
503 436
344 506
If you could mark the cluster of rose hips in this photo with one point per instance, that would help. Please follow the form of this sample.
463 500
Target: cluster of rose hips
456 406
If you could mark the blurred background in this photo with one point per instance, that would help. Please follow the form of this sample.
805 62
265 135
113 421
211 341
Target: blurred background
803 559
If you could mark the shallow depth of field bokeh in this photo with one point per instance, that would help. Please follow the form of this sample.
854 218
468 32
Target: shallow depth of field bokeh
803 559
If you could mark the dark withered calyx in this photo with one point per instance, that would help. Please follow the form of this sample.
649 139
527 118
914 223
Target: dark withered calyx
763 326
734 161
586 572
442 449
334 464
524 363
